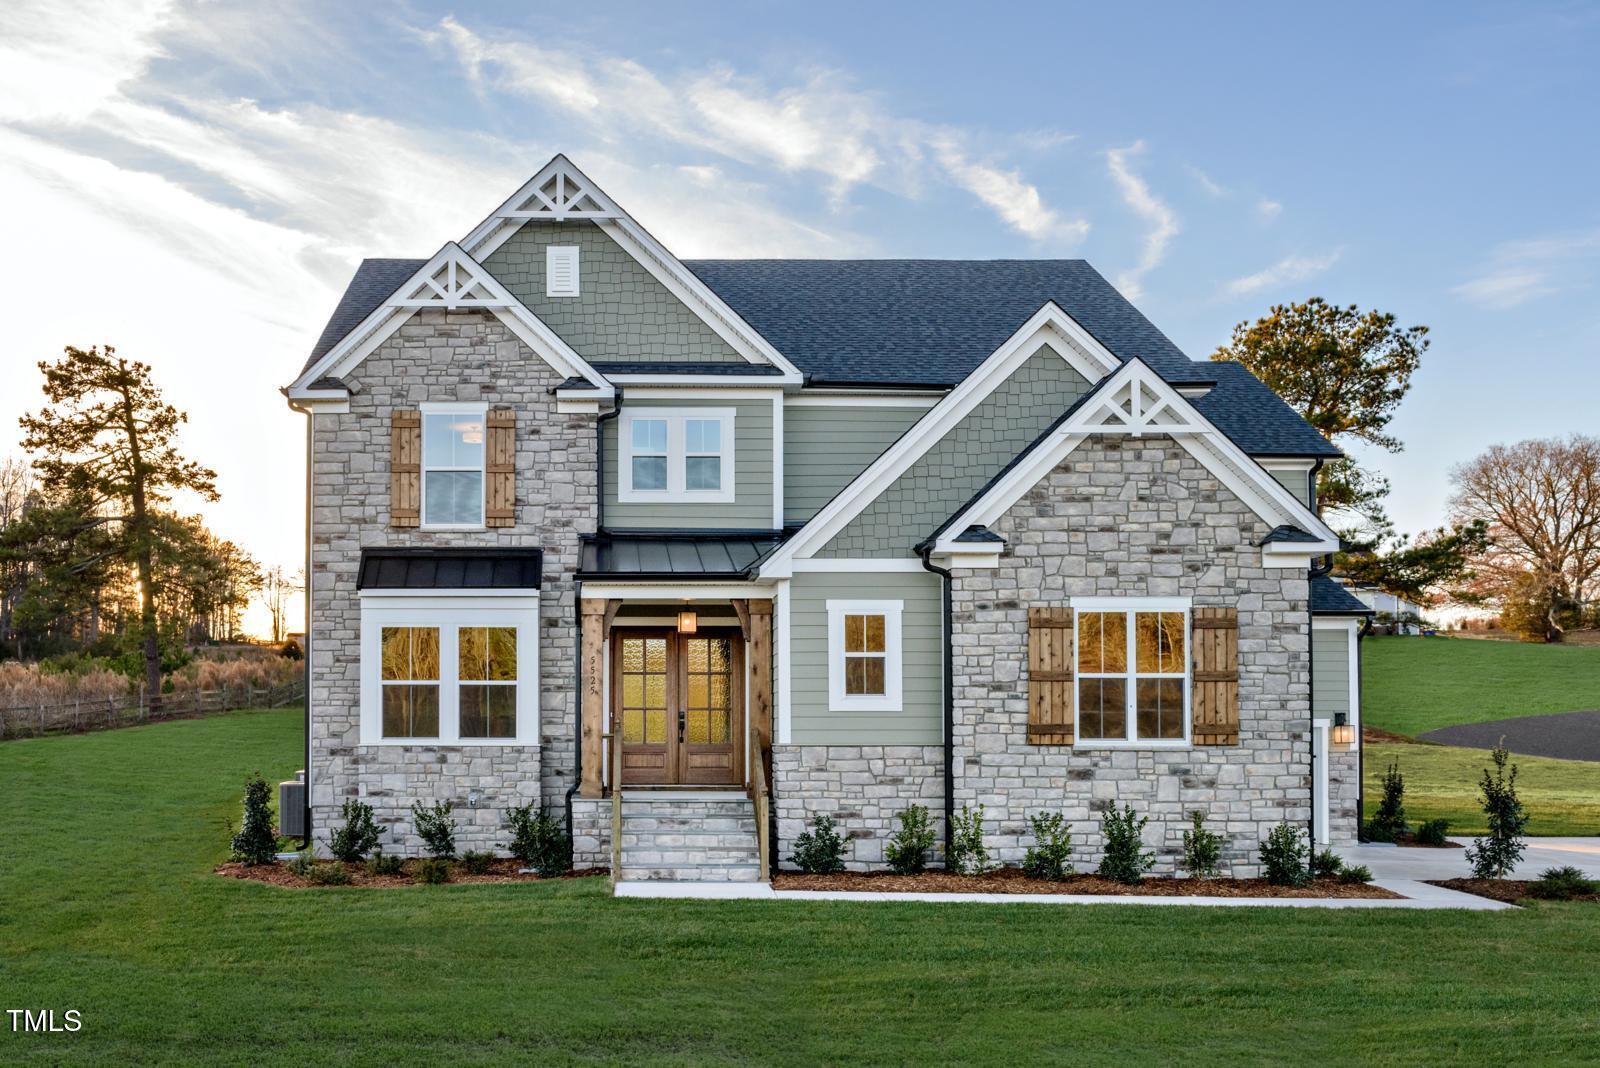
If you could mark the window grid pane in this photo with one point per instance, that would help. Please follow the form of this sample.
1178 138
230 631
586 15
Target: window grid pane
1143 701
453 497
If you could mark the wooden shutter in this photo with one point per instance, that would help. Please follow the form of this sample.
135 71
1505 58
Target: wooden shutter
1050 685
405 468
1214 658
500 469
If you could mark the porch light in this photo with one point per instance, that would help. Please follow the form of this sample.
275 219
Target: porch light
1343 733
687 622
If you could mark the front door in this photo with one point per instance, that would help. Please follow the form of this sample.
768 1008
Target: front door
678 701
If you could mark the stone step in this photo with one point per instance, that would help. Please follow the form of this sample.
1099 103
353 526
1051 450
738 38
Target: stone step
689 839
720 873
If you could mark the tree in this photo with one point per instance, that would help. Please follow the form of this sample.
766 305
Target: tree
1413 569
279 587
16 489
108 437
1539 501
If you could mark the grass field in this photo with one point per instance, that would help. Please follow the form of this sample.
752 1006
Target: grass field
107 906
1562 796
1412 685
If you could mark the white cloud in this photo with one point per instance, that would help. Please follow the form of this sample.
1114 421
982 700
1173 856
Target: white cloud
1507 287
1205 181
1524 270
61 64
1161 219
1016 201
1288 269
1268 210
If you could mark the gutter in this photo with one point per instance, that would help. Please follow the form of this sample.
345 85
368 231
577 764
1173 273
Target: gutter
925 550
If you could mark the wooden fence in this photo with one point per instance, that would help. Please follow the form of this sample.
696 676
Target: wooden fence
28 721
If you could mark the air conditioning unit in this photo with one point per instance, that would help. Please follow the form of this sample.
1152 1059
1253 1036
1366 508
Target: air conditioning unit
292 806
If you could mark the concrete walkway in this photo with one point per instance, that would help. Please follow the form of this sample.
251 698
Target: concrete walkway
1393 862
1564 735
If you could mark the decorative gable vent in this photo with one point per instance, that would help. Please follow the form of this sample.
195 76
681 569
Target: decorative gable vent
561 271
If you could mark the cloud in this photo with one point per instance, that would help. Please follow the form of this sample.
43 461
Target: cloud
1162 220
1267 210
1016 201
1288 269
1527 269
1205 181
58 64
1507 287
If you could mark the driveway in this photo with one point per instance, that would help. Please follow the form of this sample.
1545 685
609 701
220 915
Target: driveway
1567 735
1394 862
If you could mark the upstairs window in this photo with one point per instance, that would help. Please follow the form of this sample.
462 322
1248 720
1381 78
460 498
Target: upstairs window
561 271
676 455
452 465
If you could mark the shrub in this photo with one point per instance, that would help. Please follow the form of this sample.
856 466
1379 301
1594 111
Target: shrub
437 829
433 870
476 863
539 841
1125 859
1433 832
1563 884
1497 856
1325 862
1390 819
1283 856
1202 849
359 834
819 851
907 851
967 853
256 843
1050 857
381 863
328 873
1358 873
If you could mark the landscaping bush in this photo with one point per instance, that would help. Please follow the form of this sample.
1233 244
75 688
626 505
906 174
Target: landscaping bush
433 870
1325 862
967 853
1497 855
1563 884
328 873
359 834
539 841
1358 873
475 863
1390 818
256 843
380 863
907 851
819 851
1125 859
1433 832
437 829
1050 856
1283 856
1202 849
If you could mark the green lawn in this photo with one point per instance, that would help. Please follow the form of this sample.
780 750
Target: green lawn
107 906
1562 796
1412 685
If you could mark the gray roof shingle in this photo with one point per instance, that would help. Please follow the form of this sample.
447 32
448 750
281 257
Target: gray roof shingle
1330 598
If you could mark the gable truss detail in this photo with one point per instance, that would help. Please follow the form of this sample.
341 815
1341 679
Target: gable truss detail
1141 404
457 283
563 194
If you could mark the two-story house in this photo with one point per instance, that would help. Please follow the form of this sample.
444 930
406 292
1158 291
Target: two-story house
801 536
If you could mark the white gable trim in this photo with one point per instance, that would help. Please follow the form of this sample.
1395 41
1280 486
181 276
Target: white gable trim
1048 325
450 280
1122 404
538 199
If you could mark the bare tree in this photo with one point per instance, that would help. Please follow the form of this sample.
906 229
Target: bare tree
16 485
278 589
1541 502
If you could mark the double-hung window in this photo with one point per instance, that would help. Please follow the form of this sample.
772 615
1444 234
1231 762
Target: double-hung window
864 656
452 465
1132 670
676 454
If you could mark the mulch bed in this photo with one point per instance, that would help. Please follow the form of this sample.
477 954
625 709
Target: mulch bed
1511 891
1407 840
281 874
1013 881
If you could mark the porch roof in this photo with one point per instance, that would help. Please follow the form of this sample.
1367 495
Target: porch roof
450 569
675 555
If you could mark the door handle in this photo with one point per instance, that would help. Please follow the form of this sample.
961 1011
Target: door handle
682 724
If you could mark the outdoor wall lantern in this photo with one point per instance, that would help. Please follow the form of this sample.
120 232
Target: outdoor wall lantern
1343 732
687 622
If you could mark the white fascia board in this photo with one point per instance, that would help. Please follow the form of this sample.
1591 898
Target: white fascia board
689 388
1278 463
594 590
1046 323
810 399
971 561
842 565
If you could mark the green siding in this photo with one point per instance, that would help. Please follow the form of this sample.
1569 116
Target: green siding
921 718
825 447
948 475
621 313
1330 672
751 508
1297 483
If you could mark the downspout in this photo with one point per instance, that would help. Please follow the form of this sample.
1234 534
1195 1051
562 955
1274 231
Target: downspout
310 443
1317 571
926 550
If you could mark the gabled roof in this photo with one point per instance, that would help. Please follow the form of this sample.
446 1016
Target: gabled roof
374 282
1330 598
1250 413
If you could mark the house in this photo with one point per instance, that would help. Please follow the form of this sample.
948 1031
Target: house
762 539
1404 614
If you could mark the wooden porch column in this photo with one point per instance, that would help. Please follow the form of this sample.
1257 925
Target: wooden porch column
758 655
593 697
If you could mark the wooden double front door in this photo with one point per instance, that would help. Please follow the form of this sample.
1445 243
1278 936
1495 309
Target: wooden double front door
677 703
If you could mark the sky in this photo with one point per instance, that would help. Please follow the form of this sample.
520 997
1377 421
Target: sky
195 182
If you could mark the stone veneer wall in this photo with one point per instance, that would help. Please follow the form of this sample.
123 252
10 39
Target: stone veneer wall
1344 797
591 832
1132 518
443 356
863 787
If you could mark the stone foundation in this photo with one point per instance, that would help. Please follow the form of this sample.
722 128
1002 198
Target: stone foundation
591 832
863 787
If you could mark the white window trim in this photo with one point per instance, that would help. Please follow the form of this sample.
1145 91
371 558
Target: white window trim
552 254
454 408
675 492
1131 605
449 614
891 700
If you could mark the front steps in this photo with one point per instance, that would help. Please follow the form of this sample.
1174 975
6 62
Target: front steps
689 836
